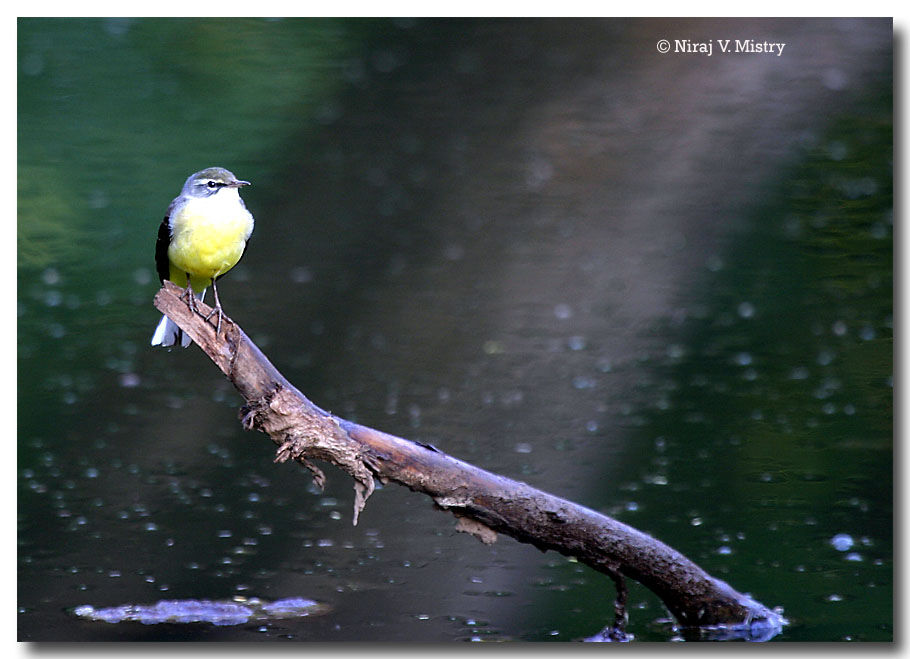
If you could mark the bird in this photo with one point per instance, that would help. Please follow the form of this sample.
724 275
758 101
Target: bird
204 234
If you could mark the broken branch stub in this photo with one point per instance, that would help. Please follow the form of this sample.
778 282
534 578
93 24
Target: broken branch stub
484 503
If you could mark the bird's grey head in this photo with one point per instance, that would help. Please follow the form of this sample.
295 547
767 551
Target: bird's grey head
209 181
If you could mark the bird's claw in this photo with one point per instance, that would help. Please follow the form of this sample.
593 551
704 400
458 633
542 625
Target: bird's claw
190 299
216 310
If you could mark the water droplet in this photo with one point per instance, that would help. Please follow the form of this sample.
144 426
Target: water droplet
32 64
879 231
385 61
327 113
676 351
492 347
837 150
799 373
714 263
743 359
583 382
129 380
53 298
745 310
301 275
834 79
539 171
142 276
453 252
825 357
117 27
842 541
98 199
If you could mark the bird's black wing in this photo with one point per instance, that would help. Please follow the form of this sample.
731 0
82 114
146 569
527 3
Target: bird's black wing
164 240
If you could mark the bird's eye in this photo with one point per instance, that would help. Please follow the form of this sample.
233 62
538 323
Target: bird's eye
212 184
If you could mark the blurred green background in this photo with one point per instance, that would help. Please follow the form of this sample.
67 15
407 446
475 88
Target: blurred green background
657 285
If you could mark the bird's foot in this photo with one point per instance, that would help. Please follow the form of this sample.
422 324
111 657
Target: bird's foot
190 299
216 310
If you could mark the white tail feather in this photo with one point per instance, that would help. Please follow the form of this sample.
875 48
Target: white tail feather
168 333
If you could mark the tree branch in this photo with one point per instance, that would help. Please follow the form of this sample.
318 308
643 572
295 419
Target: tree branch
483 503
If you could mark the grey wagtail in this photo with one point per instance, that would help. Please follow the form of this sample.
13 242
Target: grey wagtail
203 235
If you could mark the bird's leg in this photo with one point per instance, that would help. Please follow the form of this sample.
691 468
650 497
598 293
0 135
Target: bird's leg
216 309
188 295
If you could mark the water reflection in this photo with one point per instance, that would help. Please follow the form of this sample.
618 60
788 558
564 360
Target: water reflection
632 280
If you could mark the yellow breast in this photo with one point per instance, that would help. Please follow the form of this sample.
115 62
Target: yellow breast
208 235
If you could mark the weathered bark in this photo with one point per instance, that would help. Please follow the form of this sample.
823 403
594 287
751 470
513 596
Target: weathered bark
483 503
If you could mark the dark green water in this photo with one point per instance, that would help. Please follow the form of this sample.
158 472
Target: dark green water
658 285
